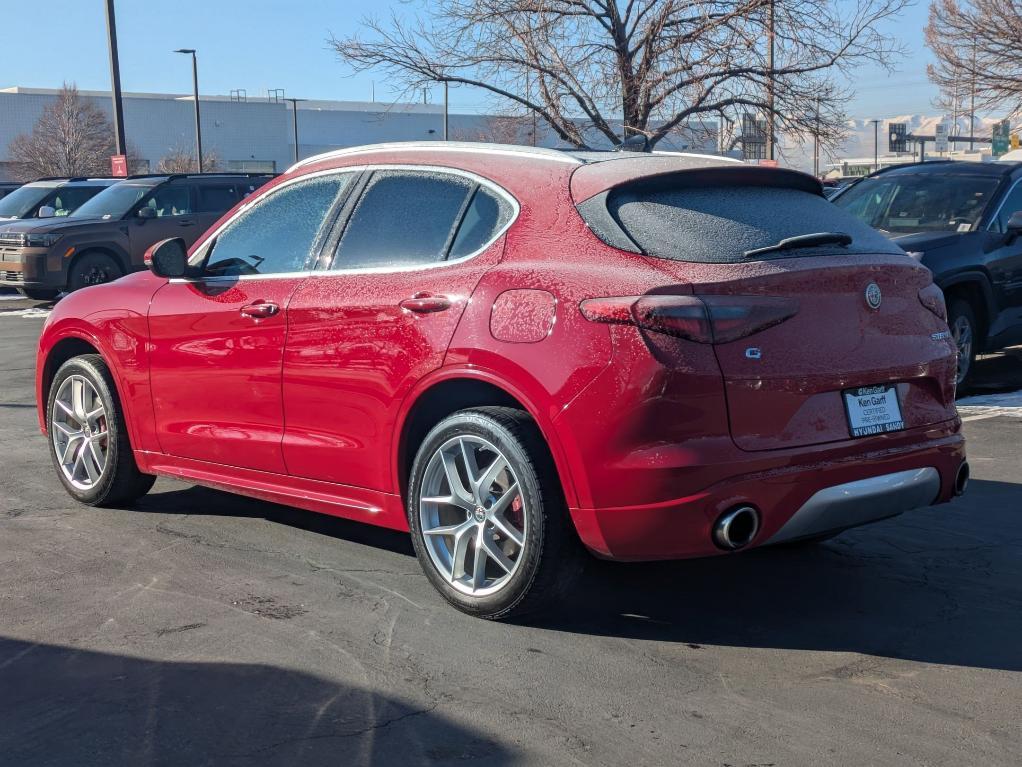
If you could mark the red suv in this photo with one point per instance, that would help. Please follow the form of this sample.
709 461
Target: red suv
507 351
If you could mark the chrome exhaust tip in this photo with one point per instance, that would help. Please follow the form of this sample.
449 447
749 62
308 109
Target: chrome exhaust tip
962 478
736 528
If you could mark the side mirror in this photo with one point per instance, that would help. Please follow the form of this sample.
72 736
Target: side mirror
146 212
168 258
1014 226
47 211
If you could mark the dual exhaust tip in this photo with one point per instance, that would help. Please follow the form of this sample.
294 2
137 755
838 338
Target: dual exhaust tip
736 528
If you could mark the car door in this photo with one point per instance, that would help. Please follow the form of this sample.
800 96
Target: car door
217 340
167 211
408 255
1004 262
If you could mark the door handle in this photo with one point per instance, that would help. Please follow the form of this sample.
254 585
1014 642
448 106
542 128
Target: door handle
259 310
185 222
426 303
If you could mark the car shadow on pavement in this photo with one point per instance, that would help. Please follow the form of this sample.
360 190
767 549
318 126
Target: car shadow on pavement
939 585
65 705
206 502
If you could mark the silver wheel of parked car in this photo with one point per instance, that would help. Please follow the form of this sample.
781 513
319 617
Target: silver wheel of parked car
473 515
961 331
79 435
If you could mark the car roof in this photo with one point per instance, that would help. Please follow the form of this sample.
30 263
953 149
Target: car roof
951 168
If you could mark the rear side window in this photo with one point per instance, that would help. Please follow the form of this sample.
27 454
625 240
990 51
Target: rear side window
718 224
485 216
277 235
216 199
404 218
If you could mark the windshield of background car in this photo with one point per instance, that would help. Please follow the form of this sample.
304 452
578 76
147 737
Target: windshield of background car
907 203
112 202
23 201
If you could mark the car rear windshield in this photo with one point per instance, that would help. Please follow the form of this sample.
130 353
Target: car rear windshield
718 224
906 203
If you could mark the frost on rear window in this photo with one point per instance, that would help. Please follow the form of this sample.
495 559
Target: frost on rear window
718 224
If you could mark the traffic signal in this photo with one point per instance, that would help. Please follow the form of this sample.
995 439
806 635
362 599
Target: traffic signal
897 136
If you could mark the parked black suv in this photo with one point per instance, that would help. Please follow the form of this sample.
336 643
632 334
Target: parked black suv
108 236
50 197
963 220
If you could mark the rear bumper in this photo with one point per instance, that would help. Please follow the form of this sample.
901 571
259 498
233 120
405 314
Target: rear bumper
826 493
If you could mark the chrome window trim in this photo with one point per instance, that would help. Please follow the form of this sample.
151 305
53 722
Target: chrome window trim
553 155
1004 200
211 237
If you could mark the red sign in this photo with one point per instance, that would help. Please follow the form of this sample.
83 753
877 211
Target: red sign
118 165
769 163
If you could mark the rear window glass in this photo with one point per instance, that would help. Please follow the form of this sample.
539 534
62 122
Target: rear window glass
718 224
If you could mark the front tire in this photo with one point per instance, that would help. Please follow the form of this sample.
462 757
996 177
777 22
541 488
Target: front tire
488 520
88 436
964 330
93 269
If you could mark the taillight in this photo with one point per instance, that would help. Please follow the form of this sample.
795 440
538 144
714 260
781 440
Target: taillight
932 298
705 320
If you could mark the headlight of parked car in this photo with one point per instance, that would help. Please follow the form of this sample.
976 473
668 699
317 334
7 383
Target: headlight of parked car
30 240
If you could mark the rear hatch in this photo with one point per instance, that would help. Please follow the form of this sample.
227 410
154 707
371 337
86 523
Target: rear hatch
856 323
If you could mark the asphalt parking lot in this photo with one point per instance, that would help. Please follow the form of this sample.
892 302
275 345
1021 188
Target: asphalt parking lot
203 628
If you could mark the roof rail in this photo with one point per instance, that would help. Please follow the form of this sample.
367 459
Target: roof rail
449 146
227 174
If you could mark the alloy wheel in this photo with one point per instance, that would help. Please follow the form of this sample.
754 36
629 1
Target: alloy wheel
473 515
961 332
78 432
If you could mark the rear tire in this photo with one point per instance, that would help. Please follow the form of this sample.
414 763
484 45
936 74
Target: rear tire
88 437
93 269
512 520
964 331
39 294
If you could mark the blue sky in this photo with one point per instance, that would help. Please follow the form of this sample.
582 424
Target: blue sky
262 44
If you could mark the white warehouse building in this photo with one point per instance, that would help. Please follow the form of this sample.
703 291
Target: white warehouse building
258 134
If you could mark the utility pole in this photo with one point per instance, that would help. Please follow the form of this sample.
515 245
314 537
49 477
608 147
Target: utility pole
445 110
972 108
876 145
195 93
294 118
816 142
771 120
115 79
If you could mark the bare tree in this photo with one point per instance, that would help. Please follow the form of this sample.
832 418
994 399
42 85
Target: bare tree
499 129
182 161
977 43
71 138
603 70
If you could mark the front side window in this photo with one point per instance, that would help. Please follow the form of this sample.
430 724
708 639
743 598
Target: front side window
171 200
404 218
1012 204
279 232
906 203
69 198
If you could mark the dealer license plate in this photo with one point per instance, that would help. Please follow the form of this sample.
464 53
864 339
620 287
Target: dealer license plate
873 410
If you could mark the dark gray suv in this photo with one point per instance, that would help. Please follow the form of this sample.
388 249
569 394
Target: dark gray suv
107 236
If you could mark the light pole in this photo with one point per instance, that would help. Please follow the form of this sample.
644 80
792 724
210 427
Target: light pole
115 79
876 145
195 91
294 107
771 116
445 110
